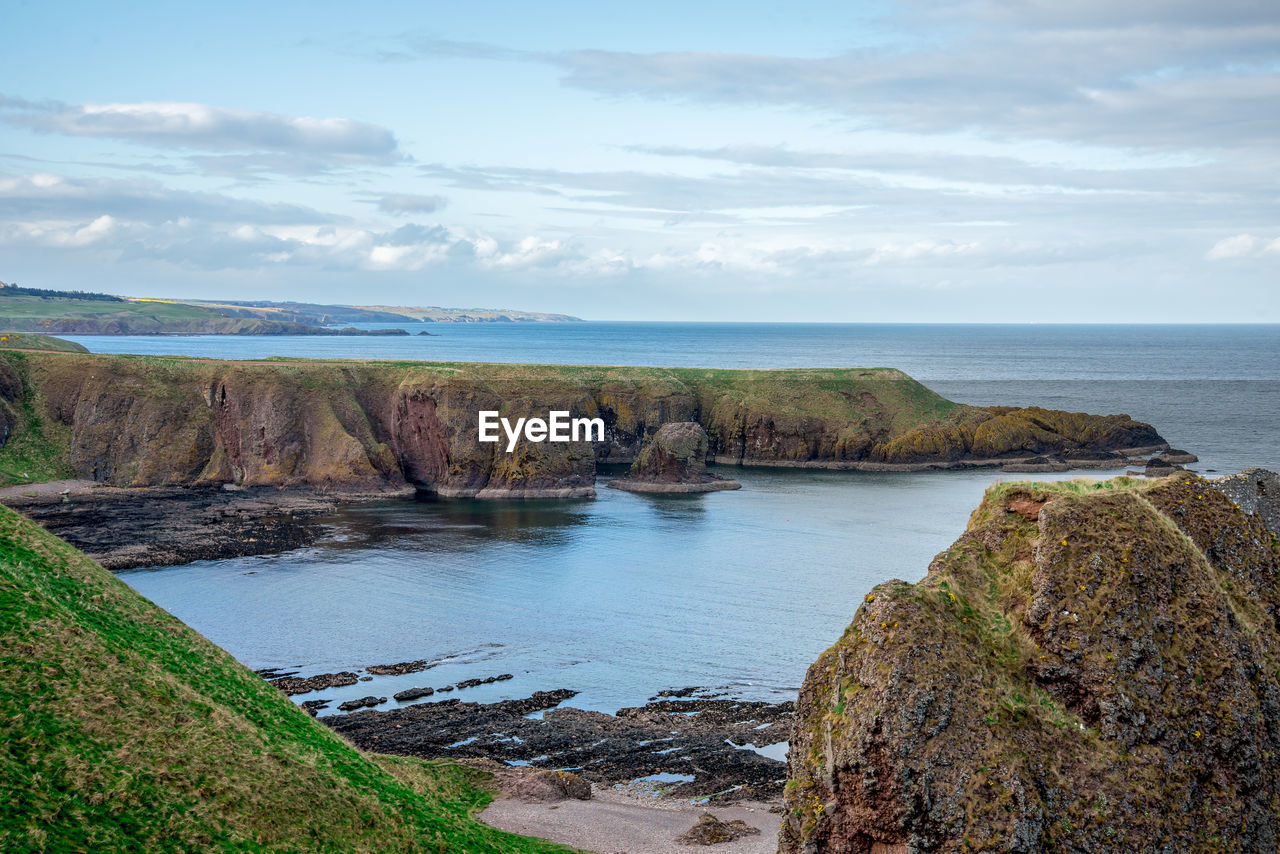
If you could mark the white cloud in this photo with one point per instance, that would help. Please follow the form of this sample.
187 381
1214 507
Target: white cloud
202 127
1243 246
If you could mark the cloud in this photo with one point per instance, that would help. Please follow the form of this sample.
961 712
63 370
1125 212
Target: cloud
1243 246
58 197
402 204
202 127
1149 75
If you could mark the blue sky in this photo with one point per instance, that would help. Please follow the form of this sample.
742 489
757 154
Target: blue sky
957 161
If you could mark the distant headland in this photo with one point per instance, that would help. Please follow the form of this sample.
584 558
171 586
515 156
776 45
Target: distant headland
53 312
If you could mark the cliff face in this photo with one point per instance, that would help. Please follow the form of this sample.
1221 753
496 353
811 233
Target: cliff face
145 420
1088 668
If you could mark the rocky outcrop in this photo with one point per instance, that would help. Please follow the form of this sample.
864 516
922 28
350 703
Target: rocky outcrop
1088 668
148 421
1256 492
673 460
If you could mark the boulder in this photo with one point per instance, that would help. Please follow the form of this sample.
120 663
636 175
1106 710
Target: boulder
710 830
673 460
363 702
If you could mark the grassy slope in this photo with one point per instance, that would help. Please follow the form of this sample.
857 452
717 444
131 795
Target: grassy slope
30 309
31 341
134 317
122 729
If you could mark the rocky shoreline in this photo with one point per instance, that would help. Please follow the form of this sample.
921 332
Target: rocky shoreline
697 747
165 526
689 742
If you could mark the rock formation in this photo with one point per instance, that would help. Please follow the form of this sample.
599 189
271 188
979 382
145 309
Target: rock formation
352 425
673 460
1090 667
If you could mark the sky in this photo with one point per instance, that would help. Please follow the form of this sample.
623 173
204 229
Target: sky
953 161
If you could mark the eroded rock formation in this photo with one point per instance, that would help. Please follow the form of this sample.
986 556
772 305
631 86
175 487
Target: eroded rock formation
673 460
145 421
1088 668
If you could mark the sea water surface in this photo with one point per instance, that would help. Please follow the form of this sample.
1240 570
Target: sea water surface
625 595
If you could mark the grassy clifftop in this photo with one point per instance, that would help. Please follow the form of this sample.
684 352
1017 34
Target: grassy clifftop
143 420
121 729
1091 667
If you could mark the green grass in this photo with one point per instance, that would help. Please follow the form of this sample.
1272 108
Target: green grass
134 317
123 730
31 341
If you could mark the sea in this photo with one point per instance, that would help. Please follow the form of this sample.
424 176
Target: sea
625 595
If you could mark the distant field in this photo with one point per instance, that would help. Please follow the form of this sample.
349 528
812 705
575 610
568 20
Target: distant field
39 309
72 316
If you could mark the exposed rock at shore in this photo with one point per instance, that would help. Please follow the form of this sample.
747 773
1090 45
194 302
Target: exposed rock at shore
673 460
703 739
361 426
297 685
363 702
162 526
710 830
413 694
1087 669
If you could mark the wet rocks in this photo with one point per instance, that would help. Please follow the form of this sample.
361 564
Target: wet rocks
488 680
297 685
708 740
710 830
363 702
163 526
673 460
401 668
313 707
413 694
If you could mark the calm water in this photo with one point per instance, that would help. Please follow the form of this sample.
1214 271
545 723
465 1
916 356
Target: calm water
626 595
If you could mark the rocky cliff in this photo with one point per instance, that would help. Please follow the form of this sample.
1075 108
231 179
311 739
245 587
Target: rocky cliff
1091 667
136 421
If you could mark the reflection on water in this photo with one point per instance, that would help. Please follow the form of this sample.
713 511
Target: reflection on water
617 598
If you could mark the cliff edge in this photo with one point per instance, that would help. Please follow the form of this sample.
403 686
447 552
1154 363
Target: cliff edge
145 421
1092 666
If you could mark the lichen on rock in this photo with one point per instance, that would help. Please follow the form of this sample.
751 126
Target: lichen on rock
1092 666
673 460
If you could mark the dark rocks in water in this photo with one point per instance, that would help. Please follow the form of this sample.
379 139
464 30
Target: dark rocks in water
413 694
312 707
401 668
1098 678
426 333
1174 455
363 702
1037 465
488 680
1160 466
446 688
677 693
710 830
1255 491
673 460
295 685
163 526
269 673
703 738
